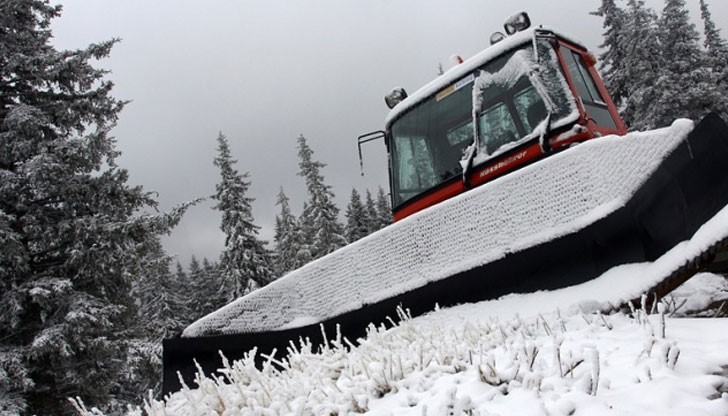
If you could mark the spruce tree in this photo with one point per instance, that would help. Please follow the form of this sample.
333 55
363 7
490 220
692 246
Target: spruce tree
245 260
180 271
685 88
613 57
195 278
372 215
188 292
715 46
166 310
642 65
287 238
357 220
384 210
716 50
143 373
319 219
304 233
71 238
163 299
195 270
207 288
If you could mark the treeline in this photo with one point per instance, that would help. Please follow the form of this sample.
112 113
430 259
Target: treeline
86 289
247 262
169 300
655 67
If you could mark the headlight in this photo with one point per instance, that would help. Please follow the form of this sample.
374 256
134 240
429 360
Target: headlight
517 22
395 97
496 37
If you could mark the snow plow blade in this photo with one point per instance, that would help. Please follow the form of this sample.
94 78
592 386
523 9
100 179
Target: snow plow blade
559 222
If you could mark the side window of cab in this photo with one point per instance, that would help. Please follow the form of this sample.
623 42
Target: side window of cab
594 103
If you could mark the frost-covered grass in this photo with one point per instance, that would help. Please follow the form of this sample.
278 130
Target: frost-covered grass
458 361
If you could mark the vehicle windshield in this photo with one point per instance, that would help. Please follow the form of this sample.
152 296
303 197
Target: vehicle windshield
511 95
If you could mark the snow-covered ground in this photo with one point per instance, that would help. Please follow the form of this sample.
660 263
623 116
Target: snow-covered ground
470 360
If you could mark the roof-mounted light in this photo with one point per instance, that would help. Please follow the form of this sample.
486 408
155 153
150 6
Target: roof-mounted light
397 95
517 23
496 37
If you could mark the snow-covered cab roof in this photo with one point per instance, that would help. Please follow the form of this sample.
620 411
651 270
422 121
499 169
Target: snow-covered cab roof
459 71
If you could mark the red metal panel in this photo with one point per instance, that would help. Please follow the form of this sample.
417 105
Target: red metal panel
528 154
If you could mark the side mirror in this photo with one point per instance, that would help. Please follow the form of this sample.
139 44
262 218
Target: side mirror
364 138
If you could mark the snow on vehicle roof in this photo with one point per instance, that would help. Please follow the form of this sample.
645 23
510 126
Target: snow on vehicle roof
472 63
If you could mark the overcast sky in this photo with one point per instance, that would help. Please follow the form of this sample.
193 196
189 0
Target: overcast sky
264 72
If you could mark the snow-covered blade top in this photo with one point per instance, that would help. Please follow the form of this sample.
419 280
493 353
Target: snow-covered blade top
582 184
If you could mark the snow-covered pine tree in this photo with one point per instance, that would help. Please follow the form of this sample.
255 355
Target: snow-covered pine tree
195 271
245 260
143 372
684 88
319 219
163 311
287 238
613 56
304 237
642 65
372 216
209 268
187 290
716 50
205 282
357 220
208 288
164 306
384 210
715 45
71 241
199 291
180 271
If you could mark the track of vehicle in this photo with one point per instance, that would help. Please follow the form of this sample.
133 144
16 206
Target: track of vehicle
712 260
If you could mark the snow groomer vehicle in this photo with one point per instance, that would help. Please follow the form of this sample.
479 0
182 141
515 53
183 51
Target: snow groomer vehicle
512 172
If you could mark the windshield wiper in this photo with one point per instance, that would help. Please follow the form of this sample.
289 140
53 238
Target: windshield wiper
472 151
543 140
